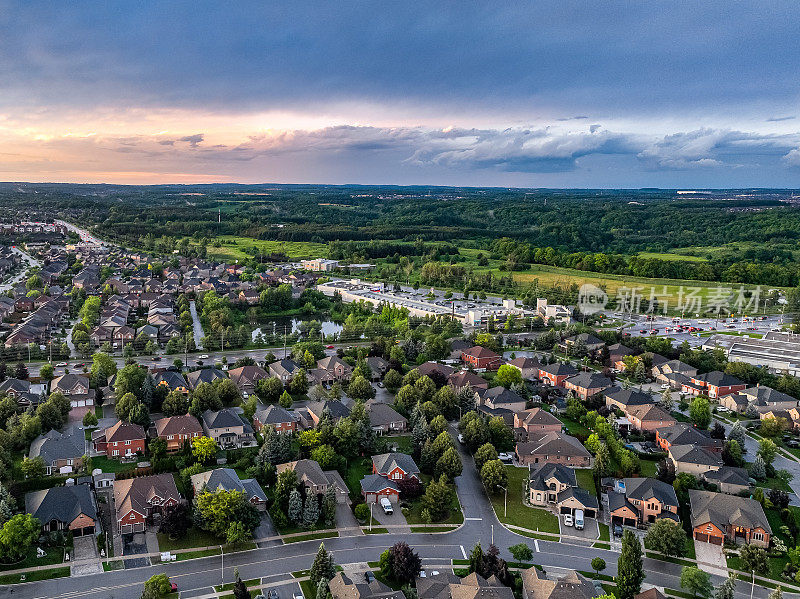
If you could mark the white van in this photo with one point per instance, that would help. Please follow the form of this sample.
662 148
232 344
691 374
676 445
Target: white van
387 506
579 519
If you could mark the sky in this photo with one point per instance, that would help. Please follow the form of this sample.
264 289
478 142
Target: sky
520 94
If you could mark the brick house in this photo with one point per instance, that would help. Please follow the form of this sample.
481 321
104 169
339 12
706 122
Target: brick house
481 358
645 500
274 417
717 516
395 466
586 384
175 430
139 501
336 367
553 447
246 377
316 481
715 384
122 439
648 417
556 374
537 420
682 433
69 508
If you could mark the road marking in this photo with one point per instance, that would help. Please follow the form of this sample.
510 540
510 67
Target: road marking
479 519
463 552
536 544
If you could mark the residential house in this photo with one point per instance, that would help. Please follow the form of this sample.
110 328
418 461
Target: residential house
693 459
228 429
500 398
176 430
384 419
62 453
465 378
713 384
375 486
554 447
556 486
335 408
122 439
69 508
528 367
339 369
343 586
587 384
645 500
438 372
661 372
623 398
395 466
587 341
274 417
20 391
378 366
718 516
617 354
538 585
75 387
481 358
648 417
446 585
537 420
315 480
682 433
556 374
204 375
141 501
283 369
226 479
763 398
729 479
246 377
172 380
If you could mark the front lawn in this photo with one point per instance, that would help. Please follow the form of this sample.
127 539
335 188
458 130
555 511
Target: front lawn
586 480
54 555
356 470
404 443
194 537
414 513
35 576
519 514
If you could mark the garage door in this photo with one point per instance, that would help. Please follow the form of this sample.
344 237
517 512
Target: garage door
589 513
715 540
701 537
126 528
566 510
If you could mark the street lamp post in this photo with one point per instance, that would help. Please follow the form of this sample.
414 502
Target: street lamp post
505 501
222 566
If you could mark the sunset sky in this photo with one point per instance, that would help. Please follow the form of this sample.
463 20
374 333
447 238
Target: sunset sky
533 94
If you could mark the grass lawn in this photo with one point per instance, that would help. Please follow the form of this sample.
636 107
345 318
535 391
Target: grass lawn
109 465
356 470
376 530
233 248
518 513
431 529
229 585
576 429
98 412
649 467
309 592
604 533
586 480
35 575
196 554
54 555
774 483
405 444
194 537
668 256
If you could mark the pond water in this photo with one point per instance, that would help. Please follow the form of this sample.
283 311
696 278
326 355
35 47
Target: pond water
279 325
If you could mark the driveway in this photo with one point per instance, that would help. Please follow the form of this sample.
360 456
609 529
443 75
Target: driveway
135 544
710 558
394 519
266 529
85 549
346 519
588 535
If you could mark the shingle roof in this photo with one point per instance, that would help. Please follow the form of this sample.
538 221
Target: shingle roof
224 418
373 483
564 474
571 586
178 425
273 414
558 369
204 375
692 454
590 380
386 462
554 444
227 479
54 446
61 503
647 488
135 493
723 510
629 397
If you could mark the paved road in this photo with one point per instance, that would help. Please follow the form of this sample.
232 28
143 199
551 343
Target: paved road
27 263
85 236
196 325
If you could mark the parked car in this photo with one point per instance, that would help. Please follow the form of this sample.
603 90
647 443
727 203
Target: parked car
203 356
569 520
665 386
506 457
617 530
387 506
173 587
272 594
62 365
369 576
579 519
461 438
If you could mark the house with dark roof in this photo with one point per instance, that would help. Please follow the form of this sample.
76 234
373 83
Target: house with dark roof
586 384
176 430
718 516
617 397
683 433
283 369
62 453
528 367
384 419
589 342
275 417
69 508
693 459
645 500
556 374
500 398
648 417
763 399
553 447
446 585
395 466
228 428
226 479
573 585
141 501
537 420
661 372
465 378
729 479
556 486
204 375
76 388
172 380
715 384
435 370
336 367
246 377
343 586
335 408
120 440
315 480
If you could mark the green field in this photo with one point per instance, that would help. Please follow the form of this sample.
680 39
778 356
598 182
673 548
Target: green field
668 256
233 248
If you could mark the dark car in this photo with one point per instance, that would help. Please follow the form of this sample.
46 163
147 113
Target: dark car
369 576
272 594
617 530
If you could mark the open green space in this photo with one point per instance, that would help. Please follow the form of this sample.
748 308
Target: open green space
228 586
235 247
109 465
53 555
669 256
35 575
197 554
404 443
519 514
311 536
586 480
194 537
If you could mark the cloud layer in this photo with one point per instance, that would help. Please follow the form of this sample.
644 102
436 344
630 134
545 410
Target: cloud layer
552 93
